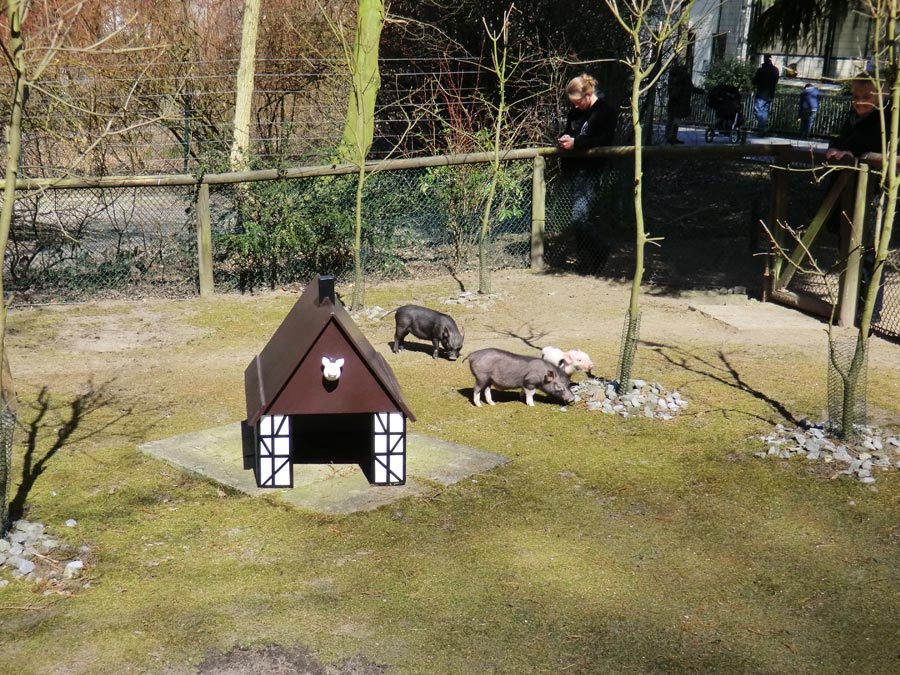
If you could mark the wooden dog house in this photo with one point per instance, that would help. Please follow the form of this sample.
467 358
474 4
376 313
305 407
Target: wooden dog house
318 392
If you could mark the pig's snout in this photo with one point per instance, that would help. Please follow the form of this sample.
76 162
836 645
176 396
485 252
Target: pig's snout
565 394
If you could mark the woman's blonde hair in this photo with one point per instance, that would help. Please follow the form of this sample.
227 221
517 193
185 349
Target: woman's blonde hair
581 86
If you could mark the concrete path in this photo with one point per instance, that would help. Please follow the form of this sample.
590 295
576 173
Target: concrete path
748 315
692 135
327 488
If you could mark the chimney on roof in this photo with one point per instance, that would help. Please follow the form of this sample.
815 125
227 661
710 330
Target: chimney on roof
326 288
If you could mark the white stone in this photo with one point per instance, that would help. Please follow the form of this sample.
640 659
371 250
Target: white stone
73 569
25 566
71 522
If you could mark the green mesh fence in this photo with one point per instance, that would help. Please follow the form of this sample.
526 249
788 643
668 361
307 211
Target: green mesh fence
631 332
847 410
7 427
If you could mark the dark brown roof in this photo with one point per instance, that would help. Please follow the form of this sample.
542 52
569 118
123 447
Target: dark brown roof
285 378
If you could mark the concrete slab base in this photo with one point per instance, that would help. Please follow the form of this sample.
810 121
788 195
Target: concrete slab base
760 316
327 488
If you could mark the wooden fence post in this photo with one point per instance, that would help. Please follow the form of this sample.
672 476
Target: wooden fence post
204 242
851 245
538 214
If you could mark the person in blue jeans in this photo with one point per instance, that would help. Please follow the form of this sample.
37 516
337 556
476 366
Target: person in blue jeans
765 79
809 106
591 123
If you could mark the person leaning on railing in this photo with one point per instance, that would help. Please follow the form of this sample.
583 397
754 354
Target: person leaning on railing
861 134
591 123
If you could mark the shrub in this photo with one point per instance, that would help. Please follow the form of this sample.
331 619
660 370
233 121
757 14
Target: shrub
731 71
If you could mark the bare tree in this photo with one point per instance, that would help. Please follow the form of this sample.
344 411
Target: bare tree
649 25
34 36
504 67
884 78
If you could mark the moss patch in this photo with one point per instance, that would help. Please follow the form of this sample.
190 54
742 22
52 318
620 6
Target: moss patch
607 545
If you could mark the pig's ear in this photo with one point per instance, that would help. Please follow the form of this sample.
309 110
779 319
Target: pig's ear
339 363
445 335
325 360
550 376
567 359
462 331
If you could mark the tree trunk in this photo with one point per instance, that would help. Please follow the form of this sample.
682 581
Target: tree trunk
366 81
630 334
243 104
15 13
359 127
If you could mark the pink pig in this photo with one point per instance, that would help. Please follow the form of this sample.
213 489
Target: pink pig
569 361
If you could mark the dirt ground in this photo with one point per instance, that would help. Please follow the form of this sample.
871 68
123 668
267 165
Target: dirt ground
564 308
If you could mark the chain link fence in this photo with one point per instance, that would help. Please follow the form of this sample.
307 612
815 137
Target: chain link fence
415 223
77 244
808 189
707 213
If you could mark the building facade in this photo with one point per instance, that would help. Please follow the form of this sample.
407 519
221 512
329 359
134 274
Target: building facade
721 29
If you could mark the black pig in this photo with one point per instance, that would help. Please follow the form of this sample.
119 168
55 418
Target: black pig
505 370
427 324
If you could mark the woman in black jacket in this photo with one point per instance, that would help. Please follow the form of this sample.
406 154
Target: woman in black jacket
591 123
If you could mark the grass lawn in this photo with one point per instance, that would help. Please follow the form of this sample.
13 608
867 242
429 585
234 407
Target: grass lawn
607 545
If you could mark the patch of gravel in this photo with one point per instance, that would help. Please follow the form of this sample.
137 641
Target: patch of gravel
644 399
32 554
472 299
871 451
368 314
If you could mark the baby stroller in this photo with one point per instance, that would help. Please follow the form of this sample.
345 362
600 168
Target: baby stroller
725 100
